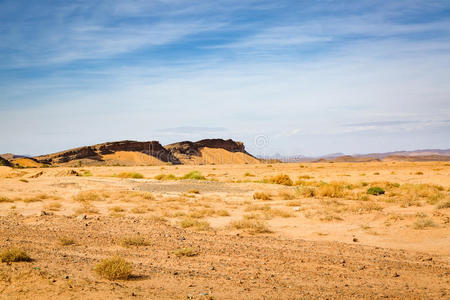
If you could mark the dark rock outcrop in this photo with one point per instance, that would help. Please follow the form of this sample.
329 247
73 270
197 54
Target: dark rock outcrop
96 152
192 148
4 162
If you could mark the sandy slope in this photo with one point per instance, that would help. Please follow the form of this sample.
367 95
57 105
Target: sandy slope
219 156
131 158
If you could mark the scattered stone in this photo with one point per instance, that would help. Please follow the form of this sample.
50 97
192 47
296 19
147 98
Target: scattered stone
355 240
46 213
212 268
175 273
396 275
297 208
82 217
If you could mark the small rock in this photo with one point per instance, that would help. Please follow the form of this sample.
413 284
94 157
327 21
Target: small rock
82 217
182 238
212 268
203 294
175 273
396 275
46 213
355 240
297 208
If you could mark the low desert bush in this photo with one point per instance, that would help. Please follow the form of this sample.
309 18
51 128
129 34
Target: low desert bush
86 196
251 226
66 241
14 255
247 174
130 241
190 222
443 204
195 175
281 179
194 191
189 252
222 213
116 209
5 199
139 210
331 190
261 196
423 222
130 175
286 195
254 207
53 206
375 190
165 177
114 268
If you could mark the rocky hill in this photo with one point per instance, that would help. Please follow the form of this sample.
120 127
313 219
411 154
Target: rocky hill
96 154
208 151
211 151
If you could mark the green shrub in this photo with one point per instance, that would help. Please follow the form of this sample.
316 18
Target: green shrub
375 190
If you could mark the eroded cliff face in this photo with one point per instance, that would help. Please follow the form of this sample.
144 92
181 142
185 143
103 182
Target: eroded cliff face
192 148
96 152
177 153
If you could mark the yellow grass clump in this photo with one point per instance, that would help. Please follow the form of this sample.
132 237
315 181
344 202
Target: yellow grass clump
114 268
281 179
134 241
261 196
251 226
14 255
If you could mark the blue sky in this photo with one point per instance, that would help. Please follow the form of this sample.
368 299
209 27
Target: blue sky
289 77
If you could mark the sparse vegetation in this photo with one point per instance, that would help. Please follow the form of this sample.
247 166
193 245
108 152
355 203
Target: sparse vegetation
165 177
130 175
261 196
194 175
5 199
114 268
331 190
423 221
281 179
190 222
443 204
134 241
188 252
66 241
251 226
14 255
375 190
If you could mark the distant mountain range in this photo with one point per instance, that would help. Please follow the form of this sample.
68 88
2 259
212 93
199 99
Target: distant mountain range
414 155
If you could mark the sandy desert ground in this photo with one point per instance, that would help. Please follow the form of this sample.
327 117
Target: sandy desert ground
272 231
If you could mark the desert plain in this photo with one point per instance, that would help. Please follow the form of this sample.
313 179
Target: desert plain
229 231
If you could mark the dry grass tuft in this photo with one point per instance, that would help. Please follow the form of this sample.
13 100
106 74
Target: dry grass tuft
194 175
87 196
114 268
53 206
423 221
130 175
66 241
332 190
190 222
222 213
281 179
188 252
14 255
255 207
251 226
194 191
134 241
116 209
443 204
286 195
165 177
261 196
5 199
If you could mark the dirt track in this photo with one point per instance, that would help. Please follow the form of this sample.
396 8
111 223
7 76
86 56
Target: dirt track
229 267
